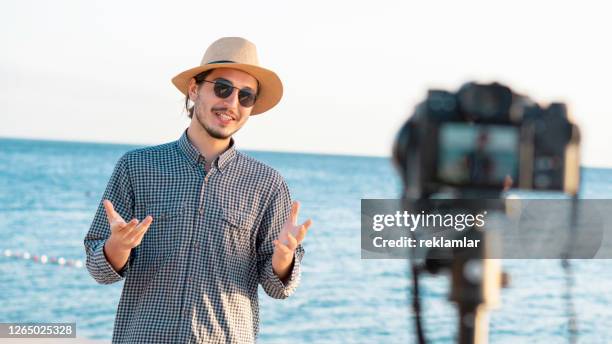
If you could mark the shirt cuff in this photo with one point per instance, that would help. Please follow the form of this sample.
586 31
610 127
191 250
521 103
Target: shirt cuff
104 269
277 287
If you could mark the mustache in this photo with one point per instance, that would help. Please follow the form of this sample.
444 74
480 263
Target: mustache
223 109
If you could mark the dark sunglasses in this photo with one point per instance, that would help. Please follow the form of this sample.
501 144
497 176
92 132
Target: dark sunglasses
224 88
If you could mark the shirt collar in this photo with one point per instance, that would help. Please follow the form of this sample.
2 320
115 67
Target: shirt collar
194 156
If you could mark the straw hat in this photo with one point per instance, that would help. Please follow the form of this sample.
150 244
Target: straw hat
237 53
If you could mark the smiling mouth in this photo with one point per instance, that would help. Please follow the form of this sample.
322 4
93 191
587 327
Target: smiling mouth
224 116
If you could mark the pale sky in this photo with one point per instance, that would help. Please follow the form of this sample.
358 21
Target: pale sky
352 71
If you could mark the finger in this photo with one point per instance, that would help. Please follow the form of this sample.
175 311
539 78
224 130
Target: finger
110 211
142 228
307 223
111 214
128 227
278 246
295 209
291 242
303 230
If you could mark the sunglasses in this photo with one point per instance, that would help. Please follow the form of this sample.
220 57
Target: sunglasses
224 88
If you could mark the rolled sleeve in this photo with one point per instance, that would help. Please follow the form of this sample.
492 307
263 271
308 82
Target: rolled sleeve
273 286
100 268
273 220
119 192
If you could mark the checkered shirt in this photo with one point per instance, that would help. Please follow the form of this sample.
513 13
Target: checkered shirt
194 277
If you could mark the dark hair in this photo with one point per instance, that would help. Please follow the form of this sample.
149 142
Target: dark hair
199 79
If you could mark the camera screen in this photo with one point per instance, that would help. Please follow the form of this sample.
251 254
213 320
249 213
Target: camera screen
477 154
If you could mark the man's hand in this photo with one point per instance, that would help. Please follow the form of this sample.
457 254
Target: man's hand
124 236
290 237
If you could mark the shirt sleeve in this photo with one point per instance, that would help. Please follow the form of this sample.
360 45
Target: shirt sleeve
273 220
119 192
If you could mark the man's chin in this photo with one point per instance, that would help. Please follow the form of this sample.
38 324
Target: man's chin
220 135
217 133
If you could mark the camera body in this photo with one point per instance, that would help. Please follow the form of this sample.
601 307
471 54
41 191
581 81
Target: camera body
486 137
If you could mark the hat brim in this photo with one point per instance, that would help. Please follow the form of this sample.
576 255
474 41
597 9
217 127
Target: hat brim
270 85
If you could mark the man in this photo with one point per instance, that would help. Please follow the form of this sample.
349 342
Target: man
215 223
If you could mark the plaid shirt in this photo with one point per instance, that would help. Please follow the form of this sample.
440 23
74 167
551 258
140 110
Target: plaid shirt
194 277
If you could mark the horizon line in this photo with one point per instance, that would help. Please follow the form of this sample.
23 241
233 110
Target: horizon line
140 145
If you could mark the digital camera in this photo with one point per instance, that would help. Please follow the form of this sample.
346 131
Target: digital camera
485 136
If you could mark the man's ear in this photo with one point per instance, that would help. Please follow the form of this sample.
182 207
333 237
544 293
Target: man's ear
192 89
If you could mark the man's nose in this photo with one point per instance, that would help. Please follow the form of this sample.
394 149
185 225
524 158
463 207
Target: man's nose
232 100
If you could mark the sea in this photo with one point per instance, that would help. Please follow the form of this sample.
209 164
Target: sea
49 191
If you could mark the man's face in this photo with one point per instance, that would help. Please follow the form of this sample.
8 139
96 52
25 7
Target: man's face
221 117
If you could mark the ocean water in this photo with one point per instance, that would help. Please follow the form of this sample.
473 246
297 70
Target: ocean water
49 192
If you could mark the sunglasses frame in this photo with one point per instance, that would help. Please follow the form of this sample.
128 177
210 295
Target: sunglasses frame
227 83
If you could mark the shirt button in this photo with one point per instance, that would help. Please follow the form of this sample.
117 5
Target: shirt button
190 279
196 246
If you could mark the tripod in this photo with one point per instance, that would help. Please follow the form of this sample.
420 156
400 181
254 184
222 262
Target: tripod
476 281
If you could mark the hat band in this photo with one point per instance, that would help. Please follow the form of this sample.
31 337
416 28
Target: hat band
221 61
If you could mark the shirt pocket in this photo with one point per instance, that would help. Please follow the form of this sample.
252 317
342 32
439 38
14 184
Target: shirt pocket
239 229
164 235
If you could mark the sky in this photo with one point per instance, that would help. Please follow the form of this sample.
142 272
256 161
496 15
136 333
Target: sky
352 70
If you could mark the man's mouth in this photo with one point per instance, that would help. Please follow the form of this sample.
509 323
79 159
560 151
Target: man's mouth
224 116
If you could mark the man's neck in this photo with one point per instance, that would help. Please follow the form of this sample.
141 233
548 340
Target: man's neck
207 145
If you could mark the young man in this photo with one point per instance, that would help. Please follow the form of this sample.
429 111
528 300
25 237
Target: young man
215 223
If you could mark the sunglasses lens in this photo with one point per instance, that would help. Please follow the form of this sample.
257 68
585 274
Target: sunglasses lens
246 97
223 89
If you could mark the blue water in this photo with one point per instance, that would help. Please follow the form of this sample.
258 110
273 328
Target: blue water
49 192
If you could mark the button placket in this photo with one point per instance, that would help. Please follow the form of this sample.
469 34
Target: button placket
203 190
